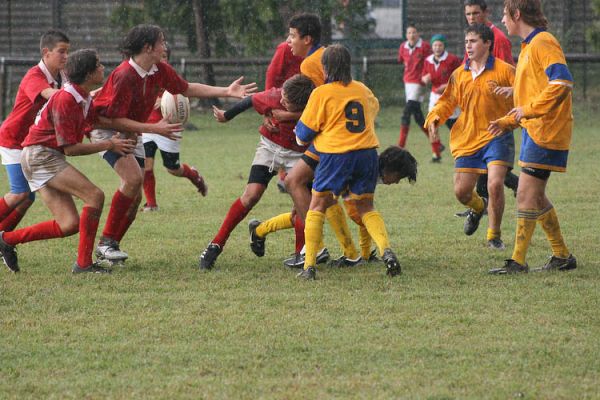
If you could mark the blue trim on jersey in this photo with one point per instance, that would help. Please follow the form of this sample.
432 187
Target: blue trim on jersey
16 179
559 71
489 64
356 171
530 37
314 48
304 133
501 148
535 155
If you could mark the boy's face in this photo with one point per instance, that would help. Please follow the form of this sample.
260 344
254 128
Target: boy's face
475 15
475 47
509 22
390 178
56 58
438 48
299 45
97 77
412 35
287 104
158 50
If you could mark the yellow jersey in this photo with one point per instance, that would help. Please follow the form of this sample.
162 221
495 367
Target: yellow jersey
312 67
543 86
339 119
478 104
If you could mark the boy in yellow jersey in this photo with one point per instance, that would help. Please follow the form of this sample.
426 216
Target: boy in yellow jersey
542 107
340 121
475 149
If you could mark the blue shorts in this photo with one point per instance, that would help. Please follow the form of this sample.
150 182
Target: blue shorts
356 171
499 151
534 156
111 158
17 181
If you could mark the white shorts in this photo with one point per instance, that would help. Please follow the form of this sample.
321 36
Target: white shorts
274 156
434 97
10 156
40 164
414 92
163 143
99 135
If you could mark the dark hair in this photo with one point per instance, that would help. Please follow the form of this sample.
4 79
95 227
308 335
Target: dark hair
307 24
531 12
139 36
336 62
51 38
396 159
297 90
80 64
485 33
481 3
411 25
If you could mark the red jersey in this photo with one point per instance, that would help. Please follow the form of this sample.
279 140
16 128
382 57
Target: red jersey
502 46
28 103
284 65
131 92
413 60
63 119
263 103
156 114
440 70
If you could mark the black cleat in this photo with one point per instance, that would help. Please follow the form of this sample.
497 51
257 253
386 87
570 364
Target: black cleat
344 262
473 218
436 159
209 256
95 268
391 262
309 274
281 186
297 260
461 214
9 255
257 244
559 264
510 267
373 257
496 244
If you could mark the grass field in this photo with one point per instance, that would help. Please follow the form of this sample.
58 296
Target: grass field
444 329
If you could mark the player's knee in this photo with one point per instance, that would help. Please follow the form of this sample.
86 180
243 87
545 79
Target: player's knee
495 186
95 198
462 195
70 226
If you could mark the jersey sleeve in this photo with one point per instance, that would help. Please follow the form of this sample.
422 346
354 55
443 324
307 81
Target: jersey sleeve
446 104
68 121
309 124
264 102
172 82
275 68
34 84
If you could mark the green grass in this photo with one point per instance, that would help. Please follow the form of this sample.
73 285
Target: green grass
444 329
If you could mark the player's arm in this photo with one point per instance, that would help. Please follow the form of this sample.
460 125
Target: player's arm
444 108
114 144
235 89
238 108
47 93
162 127
284 115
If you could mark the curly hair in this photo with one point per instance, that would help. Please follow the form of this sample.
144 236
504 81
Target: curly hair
395 159
80 64
138 37
297 90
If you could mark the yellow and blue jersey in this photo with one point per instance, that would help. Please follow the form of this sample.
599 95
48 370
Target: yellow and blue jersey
543 86
339 118
312 67
478 104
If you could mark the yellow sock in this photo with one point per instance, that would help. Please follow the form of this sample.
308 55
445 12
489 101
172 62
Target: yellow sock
364 241
526 220
313 236
376 228
476 203
492 234
548 220
337 219
277 223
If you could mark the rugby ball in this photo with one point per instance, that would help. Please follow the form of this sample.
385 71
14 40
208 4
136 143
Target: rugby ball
178 106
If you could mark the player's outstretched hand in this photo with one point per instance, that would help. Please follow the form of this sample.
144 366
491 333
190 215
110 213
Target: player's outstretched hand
167 129
219 114
506 91
122 146
236 89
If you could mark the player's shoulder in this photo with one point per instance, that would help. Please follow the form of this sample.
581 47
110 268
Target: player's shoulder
32 73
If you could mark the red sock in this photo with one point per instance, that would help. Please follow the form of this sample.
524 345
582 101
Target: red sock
88 226
237 212
11 221
4 209
41 231
403 136
124 227
299 230
189 173
150 188
436 148
117 213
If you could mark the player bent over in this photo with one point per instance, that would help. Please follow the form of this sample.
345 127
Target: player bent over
275 151
474 148
36 87
543 109
127 99
340 121
58 131
169 150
